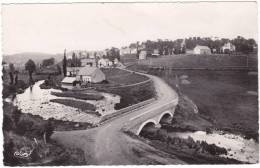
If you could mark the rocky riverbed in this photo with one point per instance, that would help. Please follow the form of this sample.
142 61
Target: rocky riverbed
37 101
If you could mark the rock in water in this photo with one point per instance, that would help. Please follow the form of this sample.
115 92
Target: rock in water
185 82
184 76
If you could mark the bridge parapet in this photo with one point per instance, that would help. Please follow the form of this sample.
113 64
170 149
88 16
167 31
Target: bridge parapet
153 116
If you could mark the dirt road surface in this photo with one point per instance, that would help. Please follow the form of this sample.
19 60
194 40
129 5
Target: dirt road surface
108 145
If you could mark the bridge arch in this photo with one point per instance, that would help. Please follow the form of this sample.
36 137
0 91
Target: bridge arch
164 116
150 121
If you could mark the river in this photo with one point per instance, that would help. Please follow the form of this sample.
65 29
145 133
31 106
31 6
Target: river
36 101
238 147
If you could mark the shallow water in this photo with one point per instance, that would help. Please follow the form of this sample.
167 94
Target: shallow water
36 101
240 149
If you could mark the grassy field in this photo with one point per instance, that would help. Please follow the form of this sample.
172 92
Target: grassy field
117 77
221 95
203 61
132 95
128 59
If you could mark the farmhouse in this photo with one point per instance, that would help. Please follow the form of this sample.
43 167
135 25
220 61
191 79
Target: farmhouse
68 82
228 48
90 75
201 50
104 63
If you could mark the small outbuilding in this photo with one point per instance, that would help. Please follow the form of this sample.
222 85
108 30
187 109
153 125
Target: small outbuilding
68 82
201 50
90 75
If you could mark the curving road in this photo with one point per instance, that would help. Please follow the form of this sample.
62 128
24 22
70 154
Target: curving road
108 145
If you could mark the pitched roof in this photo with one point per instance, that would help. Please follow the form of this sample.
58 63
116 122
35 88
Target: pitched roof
88 71
68 80
202 47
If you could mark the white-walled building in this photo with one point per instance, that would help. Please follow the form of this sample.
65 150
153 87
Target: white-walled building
142 55
125 50
155 52
201 50
103 62
90 75
228 47
72 71
68 82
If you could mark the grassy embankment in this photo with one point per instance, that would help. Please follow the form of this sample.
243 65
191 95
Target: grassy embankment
130 94
83 95
221 96
21 129
79 95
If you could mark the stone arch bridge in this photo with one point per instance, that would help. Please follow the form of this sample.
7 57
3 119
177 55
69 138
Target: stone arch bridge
153 117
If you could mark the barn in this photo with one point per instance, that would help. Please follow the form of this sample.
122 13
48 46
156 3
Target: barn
90 75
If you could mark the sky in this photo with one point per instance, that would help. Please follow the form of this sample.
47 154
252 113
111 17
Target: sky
50 28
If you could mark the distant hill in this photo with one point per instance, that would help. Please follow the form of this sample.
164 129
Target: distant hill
20 59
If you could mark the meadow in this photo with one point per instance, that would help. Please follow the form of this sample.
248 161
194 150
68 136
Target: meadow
227 97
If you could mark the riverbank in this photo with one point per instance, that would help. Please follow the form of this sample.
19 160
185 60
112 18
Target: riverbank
25 132
22 84
192 138
79 95
84 106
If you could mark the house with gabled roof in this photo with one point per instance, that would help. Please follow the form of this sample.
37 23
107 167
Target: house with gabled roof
201 50
90 75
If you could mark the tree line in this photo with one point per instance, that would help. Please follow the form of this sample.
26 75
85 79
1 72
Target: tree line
178 46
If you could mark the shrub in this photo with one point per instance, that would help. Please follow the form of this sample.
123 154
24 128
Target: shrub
23 126
7 123
30 128
16 116
48 129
